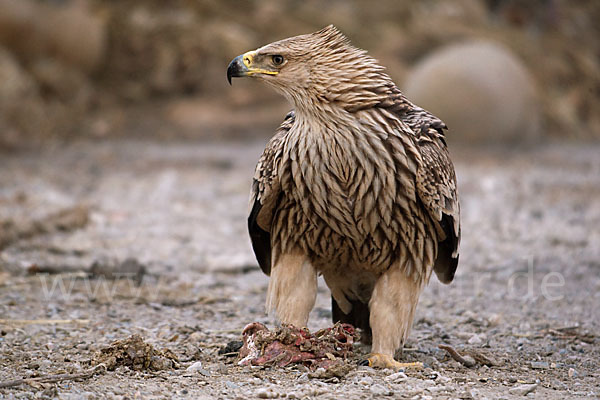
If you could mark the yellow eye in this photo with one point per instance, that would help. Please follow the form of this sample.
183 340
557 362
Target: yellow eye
277 59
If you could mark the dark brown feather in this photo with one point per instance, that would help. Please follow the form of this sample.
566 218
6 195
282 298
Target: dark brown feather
265 195
261 239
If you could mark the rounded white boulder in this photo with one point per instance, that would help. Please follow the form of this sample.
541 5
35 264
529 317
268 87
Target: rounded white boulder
480 89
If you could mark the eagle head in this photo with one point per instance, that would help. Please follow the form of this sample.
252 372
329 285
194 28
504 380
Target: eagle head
316 68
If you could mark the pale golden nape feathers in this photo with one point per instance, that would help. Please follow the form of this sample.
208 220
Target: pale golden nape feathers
356 185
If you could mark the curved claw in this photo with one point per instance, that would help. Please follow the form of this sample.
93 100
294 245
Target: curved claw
378 360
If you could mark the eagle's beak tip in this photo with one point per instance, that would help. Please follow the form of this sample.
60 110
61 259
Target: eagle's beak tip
236 68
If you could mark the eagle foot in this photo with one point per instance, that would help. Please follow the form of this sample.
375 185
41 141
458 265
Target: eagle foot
378 360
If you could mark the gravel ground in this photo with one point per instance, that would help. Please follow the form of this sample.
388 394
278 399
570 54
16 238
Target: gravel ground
526 294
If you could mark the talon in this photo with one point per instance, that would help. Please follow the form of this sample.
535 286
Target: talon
378 360
364 363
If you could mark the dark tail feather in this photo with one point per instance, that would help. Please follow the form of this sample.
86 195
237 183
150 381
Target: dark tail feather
445 264
358 317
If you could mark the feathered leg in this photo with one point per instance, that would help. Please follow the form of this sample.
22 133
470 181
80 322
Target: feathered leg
292 289
392 307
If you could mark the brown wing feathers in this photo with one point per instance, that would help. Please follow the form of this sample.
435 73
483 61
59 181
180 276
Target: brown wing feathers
260 238
265 195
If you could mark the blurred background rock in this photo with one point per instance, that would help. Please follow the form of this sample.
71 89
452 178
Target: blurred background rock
113 68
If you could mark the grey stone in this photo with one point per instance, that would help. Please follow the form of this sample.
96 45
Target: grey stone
476 339
380 390
397 377
231 385
540 365
195 367
523 390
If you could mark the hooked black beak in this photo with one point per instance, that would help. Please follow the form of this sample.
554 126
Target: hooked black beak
236 68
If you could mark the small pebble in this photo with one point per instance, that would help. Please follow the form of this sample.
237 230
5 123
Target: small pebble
572 373
231 385
397 377
523 390
365 381
264 393
194 367
494 320
222 369
540 365
476 339
204 372
470 315
380 390
303 377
